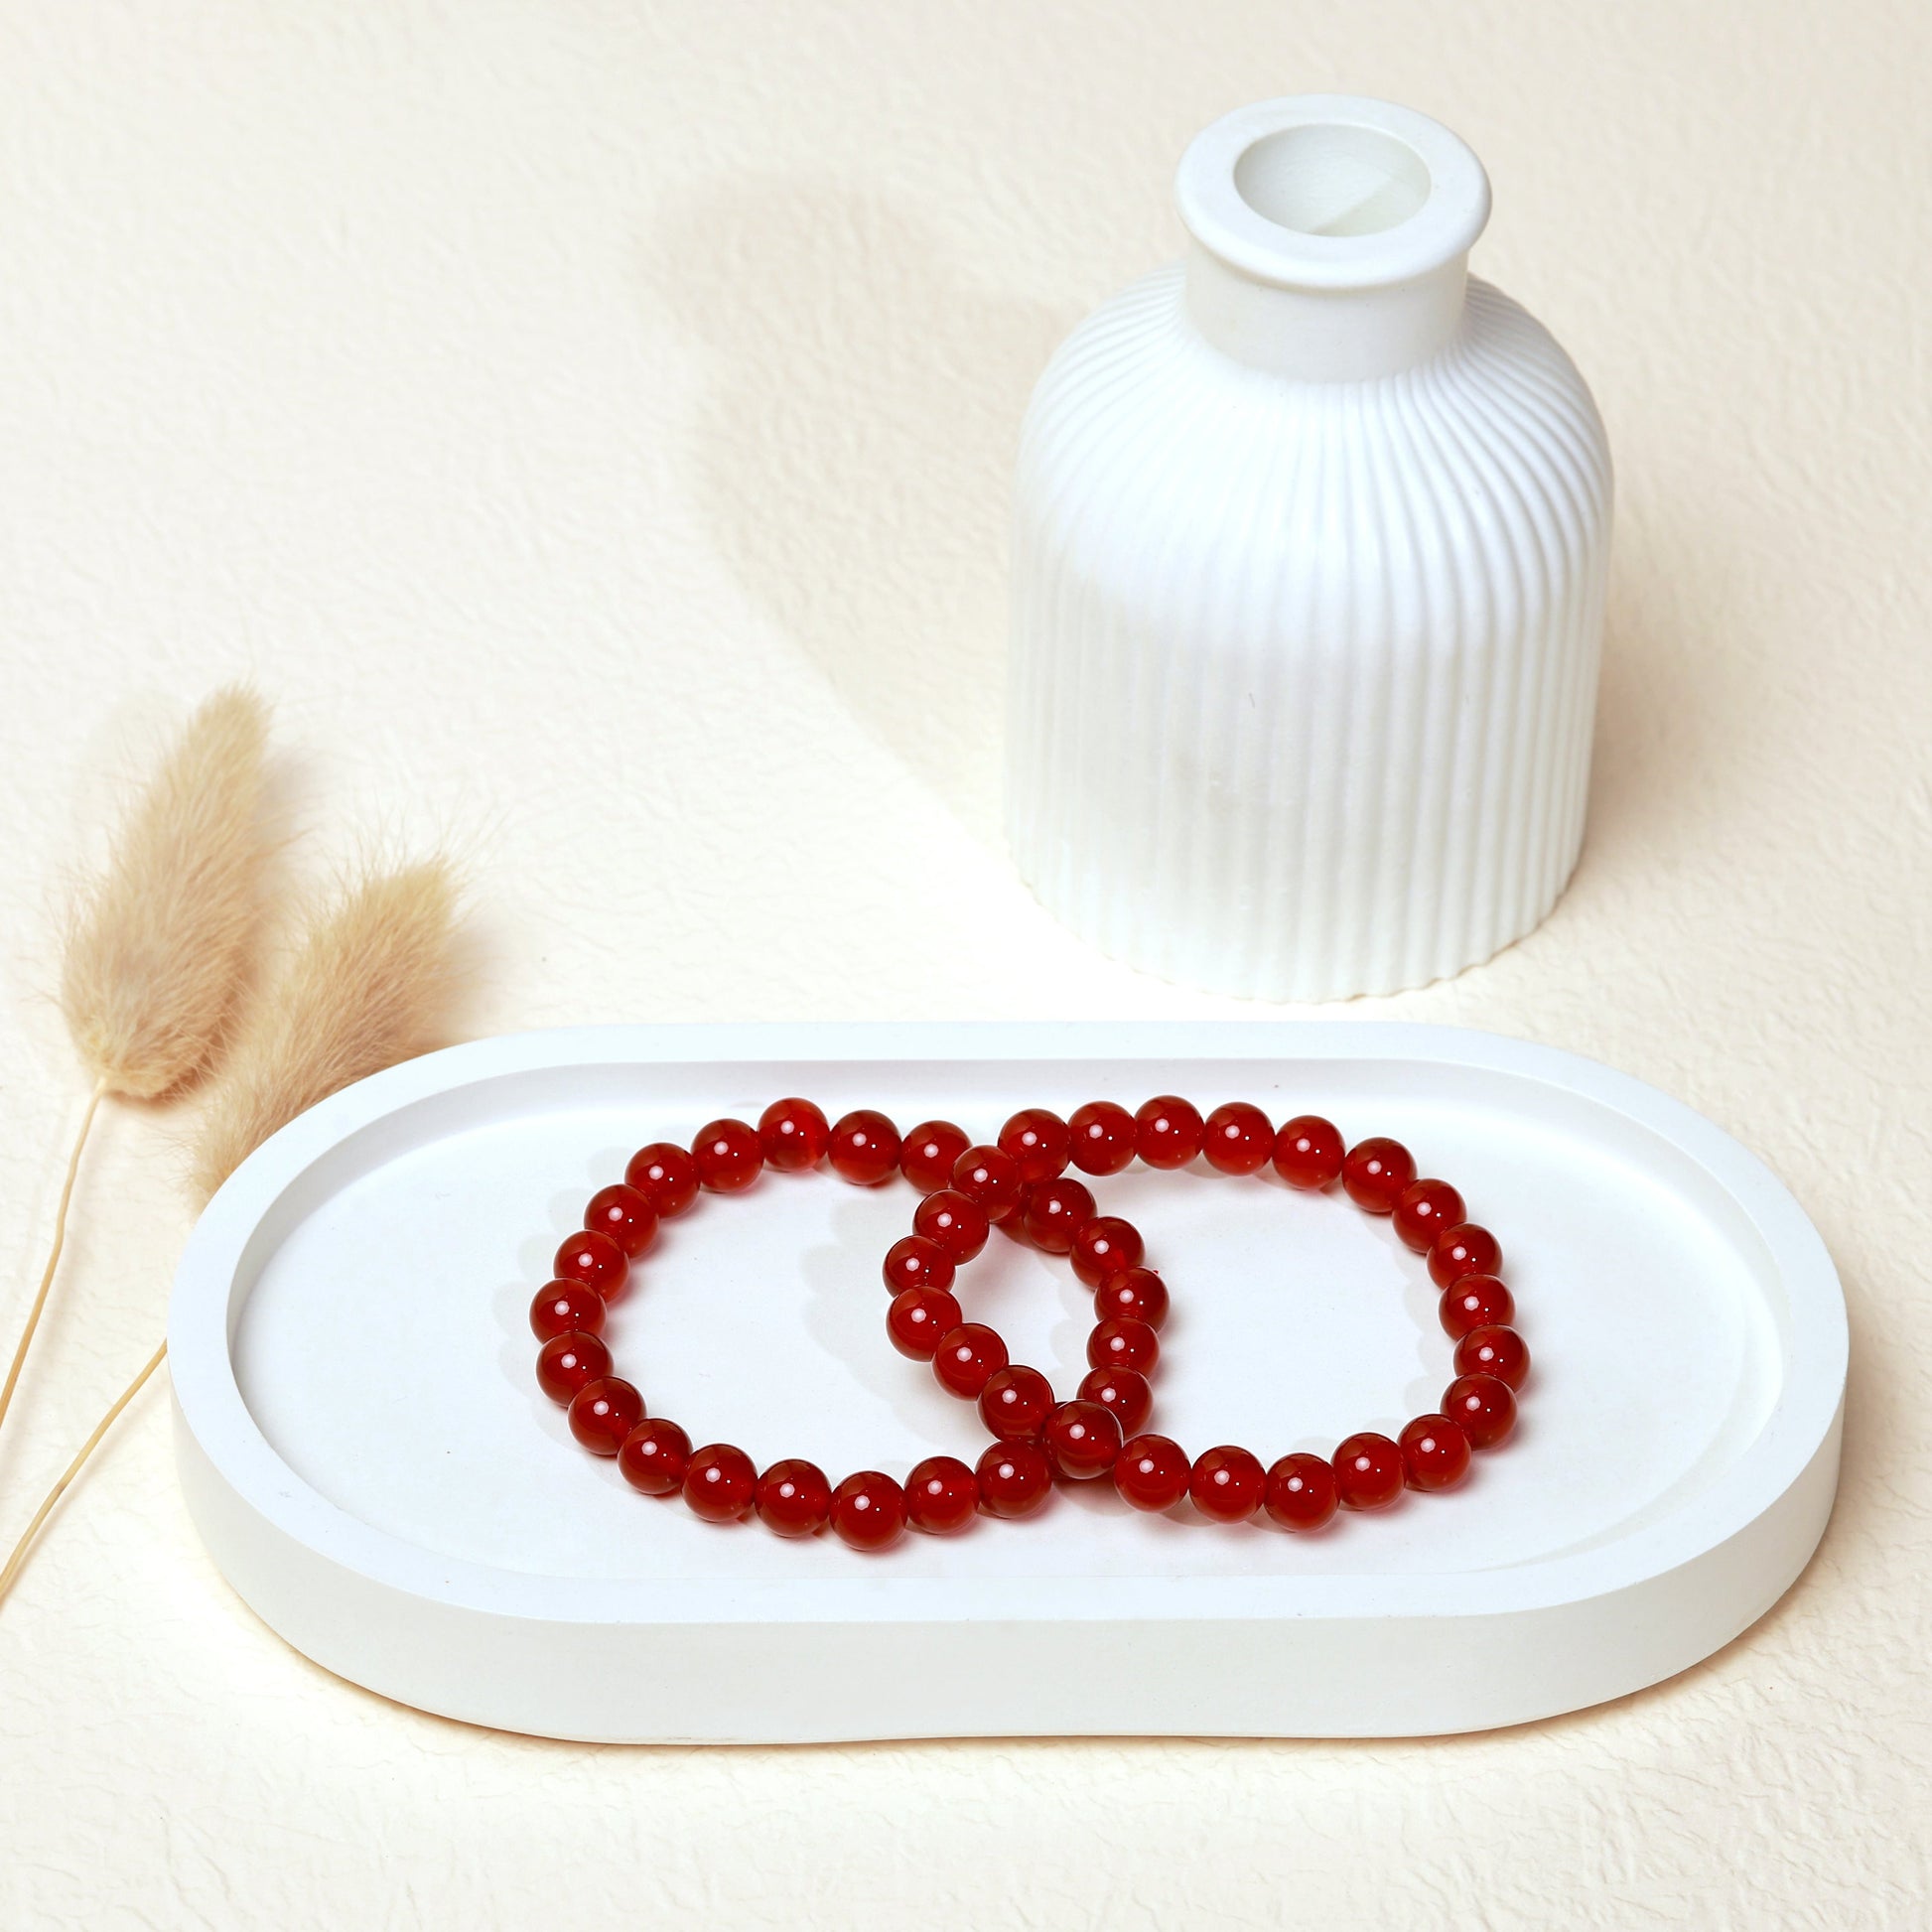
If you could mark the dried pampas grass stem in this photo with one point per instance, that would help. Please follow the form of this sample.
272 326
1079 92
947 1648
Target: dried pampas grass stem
370 986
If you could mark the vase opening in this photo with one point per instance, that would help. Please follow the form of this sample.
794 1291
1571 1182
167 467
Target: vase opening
1332 179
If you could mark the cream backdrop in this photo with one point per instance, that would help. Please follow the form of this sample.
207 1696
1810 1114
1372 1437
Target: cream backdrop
592 423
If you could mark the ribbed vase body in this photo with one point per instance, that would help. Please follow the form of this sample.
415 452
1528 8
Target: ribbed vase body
1302 672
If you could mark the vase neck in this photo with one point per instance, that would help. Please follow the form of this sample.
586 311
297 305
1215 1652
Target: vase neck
1331 235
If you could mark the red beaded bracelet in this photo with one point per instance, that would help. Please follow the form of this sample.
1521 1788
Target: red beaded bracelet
1152 1472
718 1481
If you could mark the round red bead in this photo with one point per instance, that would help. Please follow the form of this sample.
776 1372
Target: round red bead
1055 1213
1423 1210
916 1261
1301 1493
941 1496
1038 1143
654 1457
1368 1471
1465 1248
967 1359
593 1259
1475 1302
1238 1139
665 1175
1014 1478
1496 1351
1014 1403
728 1156
1117 1344
1167 1132
793 1498
1227 1483
1483 1407
1376 1172
602 1413
566 1308
1435 1453
927 1154
869 1511
1152 1472
1135 1295
1309 1151
1081 1440
1124 1393
991 1181
920 1318
566 1362
720 1483
624 1215
865 1147
1104 1246
793 1136
1102 1136
953 1222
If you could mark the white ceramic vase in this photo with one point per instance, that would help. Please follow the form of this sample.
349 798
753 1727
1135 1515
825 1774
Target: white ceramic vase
1309 566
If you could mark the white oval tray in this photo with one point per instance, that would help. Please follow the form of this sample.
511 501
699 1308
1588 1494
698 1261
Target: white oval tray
364 1448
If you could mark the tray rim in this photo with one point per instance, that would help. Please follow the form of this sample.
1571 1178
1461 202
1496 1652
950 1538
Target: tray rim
210 1408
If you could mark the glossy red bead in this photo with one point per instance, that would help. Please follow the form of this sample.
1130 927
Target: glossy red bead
869 1511
1483 1407
1227 1483
920 1318
1038 1143
1368 1471
991 1179
793 1498
967 1359
1081 1440
958 1225
927 1152
624 1215
865 1147
566 1362
1124 1393
655 1457
1301 1493
1134 1294
1151 1472
1238 1139
593 1259
727 1156
1102 1137
1014 1403
794 1137
1496 1351
1465 1248
665 1175
916 1261
1435 1453
1055 1213
1104 1246
1423 1210
720 1483
1167 1132
1119 1343
602 1413
1309 1151
1376 1172
941 1496
1014 1478
1475 1302
566 1308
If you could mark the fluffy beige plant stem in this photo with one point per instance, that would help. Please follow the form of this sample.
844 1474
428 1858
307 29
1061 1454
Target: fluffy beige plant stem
368 987
160 944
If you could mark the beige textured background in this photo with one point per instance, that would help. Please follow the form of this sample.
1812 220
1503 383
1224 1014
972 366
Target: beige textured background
591 423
